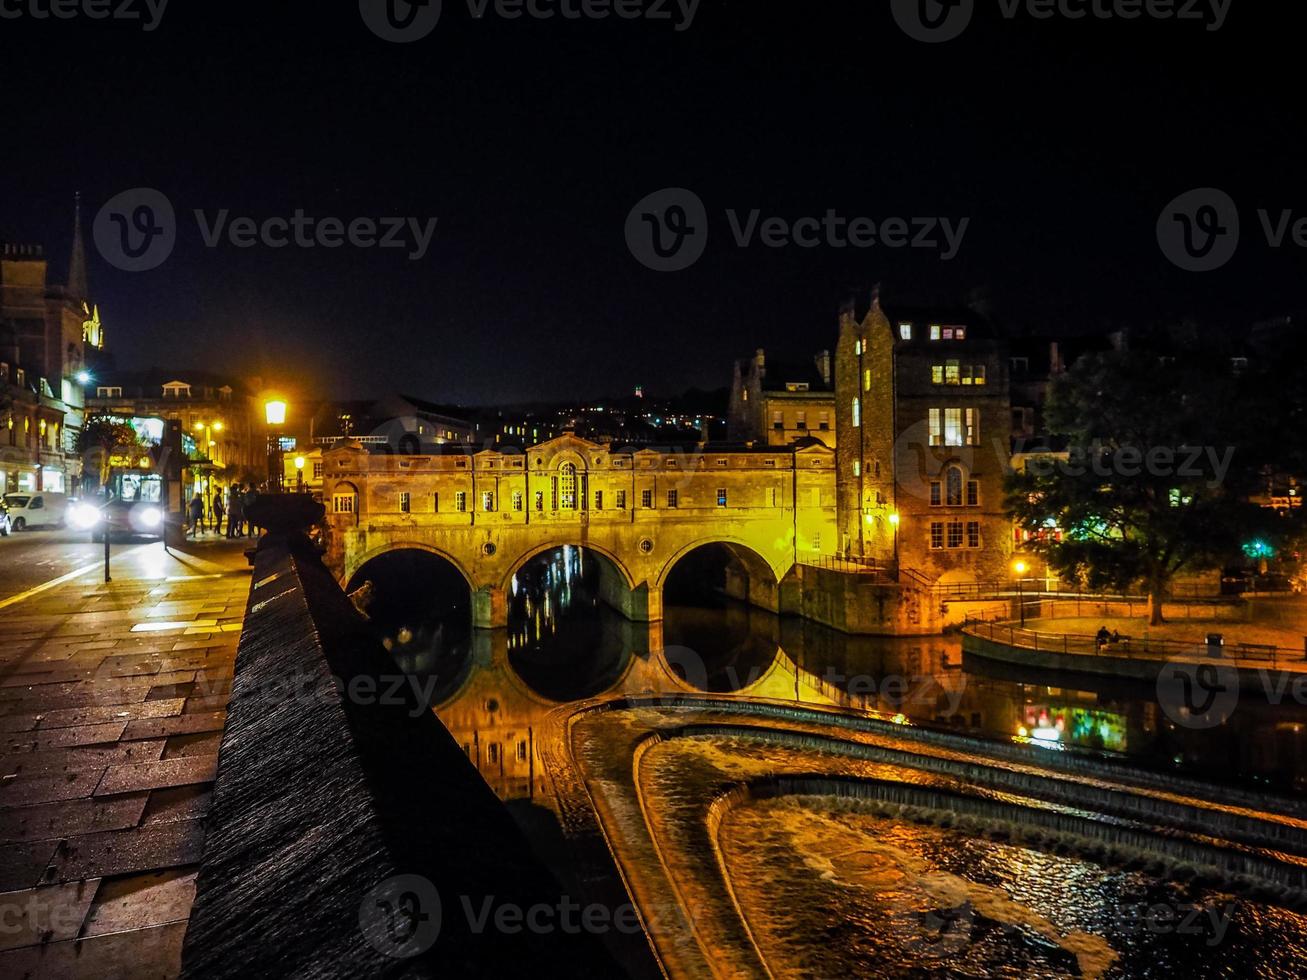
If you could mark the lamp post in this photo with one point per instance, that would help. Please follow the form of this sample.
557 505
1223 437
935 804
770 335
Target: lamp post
1020 568
274 413
299 474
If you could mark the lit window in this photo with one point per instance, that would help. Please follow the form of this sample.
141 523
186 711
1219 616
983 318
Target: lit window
567 486
935 331
937 374
952 373
973 427
905 331
540 500
342 503
866 379
857 467
857 412
721 497
404 503
317 470
936 427
953 426
487 500
857 348
460 501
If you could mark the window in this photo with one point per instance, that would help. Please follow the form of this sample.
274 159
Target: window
797 386
435 503
599 500
673 498
866 379
404 503
973 427
875 468
621 500
857 467
517 501
721 496
935 331
857 412
973 374
522 750
540 500
460 501
777 421
857 348
721 462
953 487
802 422
773 497
936 494
108 392
487 500
342 503
952 373
317 470
905 331
955 534
567 486
973 534
20 377
824 423
1020 365
973 493
953 426
937 374
769 462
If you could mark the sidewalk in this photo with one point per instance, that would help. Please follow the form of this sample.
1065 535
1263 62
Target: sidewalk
112 702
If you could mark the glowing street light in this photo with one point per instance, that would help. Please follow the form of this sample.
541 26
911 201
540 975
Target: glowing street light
274 412
299 474
1020 568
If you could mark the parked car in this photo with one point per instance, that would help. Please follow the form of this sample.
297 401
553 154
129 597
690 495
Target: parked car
5 524
38 509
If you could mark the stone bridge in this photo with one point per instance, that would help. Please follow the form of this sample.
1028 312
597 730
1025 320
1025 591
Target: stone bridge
640 511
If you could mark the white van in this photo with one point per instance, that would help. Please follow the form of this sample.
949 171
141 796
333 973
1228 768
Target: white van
39 509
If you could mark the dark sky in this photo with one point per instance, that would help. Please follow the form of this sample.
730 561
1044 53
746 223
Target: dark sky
531 141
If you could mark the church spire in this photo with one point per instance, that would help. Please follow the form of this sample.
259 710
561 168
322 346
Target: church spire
77 285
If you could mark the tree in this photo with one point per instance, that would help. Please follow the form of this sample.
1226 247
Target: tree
1154 481
102 437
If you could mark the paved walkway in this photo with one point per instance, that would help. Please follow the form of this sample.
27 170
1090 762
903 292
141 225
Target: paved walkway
112 701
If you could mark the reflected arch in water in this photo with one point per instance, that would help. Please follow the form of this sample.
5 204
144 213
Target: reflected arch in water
419 604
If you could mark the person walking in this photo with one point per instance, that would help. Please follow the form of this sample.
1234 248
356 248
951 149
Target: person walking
218 511
235 512
248 501
196 510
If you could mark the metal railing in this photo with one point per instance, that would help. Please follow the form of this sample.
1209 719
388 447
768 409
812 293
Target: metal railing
1239 654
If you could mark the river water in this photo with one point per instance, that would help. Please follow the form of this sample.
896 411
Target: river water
830 888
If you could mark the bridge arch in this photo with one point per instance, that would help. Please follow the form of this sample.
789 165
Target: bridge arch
617 586
610 559
357 563
755 579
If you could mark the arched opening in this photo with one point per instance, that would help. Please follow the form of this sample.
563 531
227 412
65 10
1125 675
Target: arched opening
419 606
713 574
561 628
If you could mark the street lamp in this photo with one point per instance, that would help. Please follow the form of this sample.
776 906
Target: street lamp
1020 568
299 474
274 413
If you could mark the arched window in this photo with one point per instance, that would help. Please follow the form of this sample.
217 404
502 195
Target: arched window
567 486
953 486
857 412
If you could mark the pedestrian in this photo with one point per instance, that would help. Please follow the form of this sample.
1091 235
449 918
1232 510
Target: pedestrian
235 512
197 514
218 511
248 501
1102 637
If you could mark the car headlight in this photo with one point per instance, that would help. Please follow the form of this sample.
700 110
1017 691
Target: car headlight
150 517
84 516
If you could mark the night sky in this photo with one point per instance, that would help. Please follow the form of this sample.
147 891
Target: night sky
531 141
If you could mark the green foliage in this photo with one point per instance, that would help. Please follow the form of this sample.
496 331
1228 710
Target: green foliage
1156 476
101 437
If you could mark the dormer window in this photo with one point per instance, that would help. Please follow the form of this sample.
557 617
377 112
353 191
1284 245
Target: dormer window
795 386
176 389
108 392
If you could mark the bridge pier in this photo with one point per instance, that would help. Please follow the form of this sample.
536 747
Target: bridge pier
490 609
642 604
753 589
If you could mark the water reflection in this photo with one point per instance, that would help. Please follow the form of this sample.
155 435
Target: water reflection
493 689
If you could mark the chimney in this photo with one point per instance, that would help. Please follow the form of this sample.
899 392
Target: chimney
824 367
